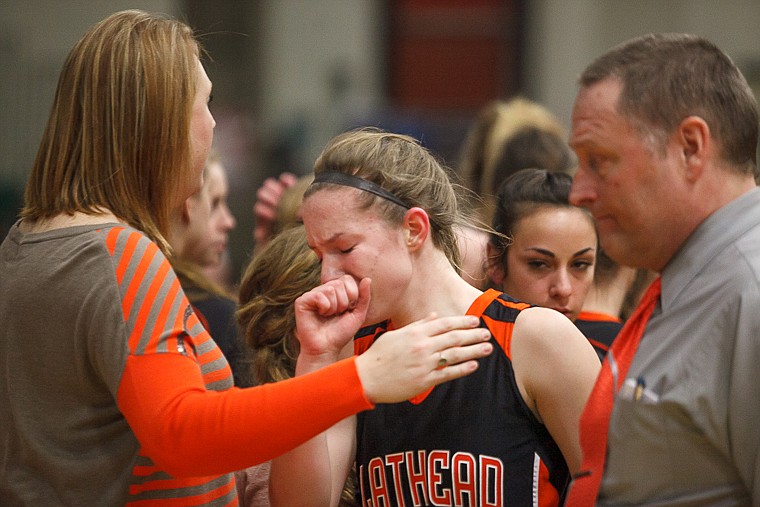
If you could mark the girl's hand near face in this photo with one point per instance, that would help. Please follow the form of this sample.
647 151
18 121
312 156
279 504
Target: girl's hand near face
328 316
401 363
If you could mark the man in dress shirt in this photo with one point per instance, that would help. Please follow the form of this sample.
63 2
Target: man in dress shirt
665 128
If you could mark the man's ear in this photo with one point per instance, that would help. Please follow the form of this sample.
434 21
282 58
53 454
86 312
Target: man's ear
494 265
416 227
694 140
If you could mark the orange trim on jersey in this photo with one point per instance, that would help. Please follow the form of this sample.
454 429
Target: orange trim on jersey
547 497
481 303
421 397
598 317
501 331
362 344
598 344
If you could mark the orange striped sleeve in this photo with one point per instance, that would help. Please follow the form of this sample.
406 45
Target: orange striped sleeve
144 312
193 321
137 278
158 317
226 489
153 304
126 255
189 431
165 313
169 482
111 237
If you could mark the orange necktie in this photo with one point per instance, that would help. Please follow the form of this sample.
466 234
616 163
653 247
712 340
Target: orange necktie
595 419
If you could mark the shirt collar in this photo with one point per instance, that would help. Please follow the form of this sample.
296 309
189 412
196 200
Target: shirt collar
709 239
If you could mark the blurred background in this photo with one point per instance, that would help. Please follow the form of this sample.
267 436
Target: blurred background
290 74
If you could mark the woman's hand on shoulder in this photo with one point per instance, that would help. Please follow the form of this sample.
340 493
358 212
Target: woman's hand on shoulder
405 362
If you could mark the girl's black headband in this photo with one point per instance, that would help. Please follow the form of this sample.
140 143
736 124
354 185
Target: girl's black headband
349 180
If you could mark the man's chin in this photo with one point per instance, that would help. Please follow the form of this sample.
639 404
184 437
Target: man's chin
614 246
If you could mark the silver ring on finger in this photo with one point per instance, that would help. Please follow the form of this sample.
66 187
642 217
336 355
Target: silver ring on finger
442 361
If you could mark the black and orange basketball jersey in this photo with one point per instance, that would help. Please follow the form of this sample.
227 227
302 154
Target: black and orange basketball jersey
600 329
468 442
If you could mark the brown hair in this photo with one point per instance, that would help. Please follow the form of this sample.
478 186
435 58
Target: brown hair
283 270
118 132
668 77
